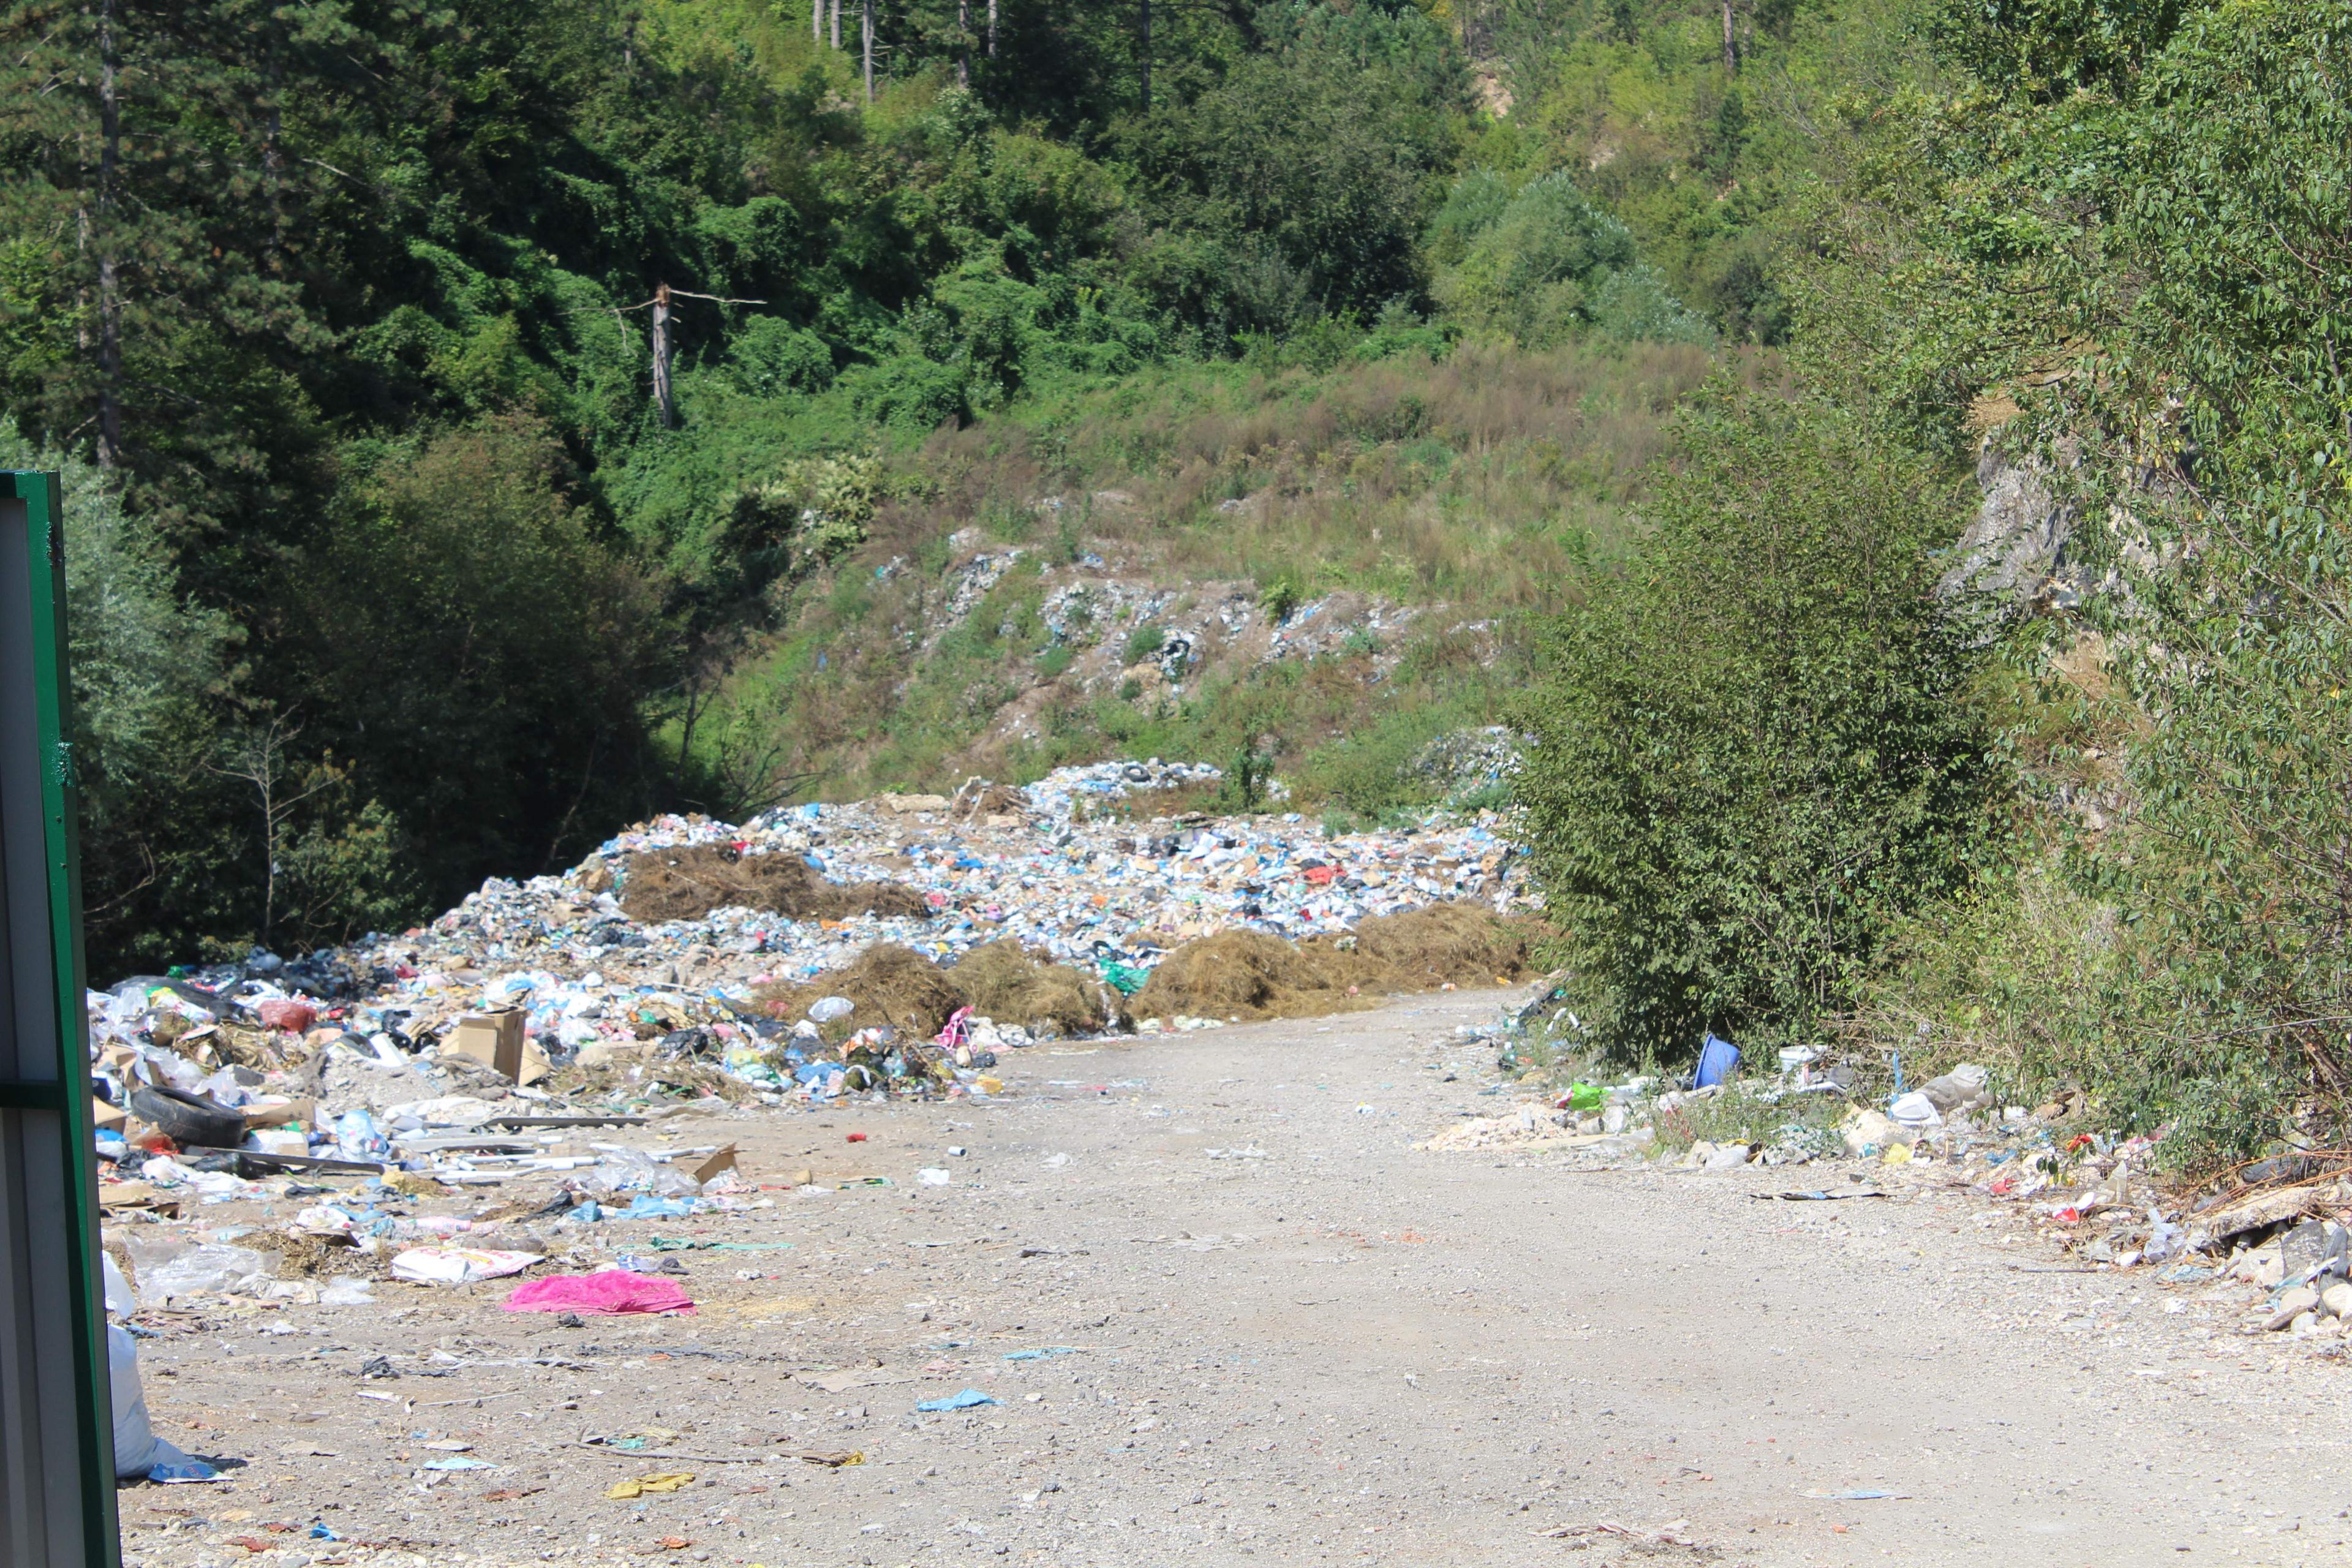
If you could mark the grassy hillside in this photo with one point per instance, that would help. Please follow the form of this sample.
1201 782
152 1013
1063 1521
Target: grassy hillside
1405 513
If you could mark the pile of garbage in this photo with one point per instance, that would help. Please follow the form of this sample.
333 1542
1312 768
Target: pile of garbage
892 947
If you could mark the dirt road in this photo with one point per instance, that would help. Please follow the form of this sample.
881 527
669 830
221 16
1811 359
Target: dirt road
1279 1335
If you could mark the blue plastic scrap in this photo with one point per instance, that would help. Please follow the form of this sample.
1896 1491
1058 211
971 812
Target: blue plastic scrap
971 1398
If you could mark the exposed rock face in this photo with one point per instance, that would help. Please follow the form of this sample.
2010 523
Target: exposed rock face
2015 551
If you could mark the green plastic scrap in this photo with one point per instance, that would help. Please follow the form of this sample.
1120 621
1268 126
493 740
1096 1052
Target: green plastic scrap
687 1243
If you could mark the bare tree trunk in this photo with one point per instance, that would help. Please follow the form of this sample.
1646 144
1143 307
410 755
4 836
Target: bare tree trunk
991 29
1143 38
110 293
817 22
661 357
867 11
1730 48
963 43
836 26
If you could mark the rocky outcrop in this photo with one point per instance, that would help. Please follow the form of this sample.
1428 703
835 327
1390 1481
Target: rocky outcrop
2014 554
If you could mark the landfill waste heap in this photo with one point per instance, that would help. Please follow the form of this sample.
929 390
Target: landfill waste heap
818 953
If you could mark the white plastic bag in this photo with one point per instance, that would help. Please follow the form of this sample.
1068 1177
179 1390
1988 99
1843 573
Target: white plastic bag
205 1271
137 1450
458 1265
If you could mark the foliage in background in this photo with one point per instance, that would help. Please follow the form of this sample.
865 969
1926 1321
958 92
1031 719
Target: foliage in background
298 277
1714 174
1757 751
260 257
1480 488
2120 251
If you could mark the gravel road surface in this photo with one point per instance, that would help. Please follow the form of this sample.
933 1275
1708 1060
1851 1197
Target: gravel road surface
1275 1333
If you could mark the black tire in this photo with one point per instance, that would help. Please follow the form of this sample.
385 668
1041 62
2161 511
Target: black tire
188 1120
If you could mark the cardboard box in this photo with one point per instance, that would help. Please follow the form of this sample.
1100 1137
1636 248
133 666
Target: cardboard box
493 1039
103 1115
283 1115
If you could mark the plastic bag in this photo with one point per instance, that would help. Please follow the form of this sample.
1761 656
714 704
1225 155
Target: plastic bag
356 1137
631 1170
209 1270
606 1293
1916 1110
458 1265
137 1450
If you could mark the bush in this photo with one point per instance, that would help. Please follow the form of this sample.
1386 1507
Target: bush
1758 752
1279 598
487 683
1551 263
1144 641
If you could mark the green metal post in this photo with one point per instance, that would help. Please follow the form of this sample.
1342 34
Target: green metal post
56 1432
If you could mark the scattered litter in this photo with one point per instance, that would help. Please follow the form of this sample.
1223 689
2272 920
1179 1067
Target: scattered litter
971 1398
607 1293
459 1265
640 1487
1604 1528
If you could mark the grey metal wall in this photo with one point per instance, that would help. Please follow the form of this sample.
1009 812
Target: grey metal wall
56 1450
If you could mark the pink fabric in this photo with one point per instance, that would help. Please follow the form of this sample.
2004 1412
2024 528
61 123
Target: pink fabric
604 1294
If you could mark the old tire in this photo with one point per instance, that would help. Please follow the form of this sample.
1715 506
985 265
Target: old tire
188 1120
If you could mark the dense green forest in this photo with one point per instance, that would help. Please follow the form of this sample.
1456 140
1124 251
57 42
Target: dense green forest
343 316
487 424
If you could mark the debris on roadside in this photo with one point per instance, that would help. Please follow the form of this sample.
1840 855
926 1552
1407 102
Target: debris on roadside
2278 1224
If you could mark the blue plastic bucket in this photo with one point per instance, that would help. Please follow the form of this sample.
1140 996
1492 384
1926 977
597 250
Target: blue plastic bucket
1716 1058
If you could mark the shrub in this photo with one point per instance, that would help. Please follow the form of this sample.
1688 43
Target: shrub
1279 598
1757 751
1144 641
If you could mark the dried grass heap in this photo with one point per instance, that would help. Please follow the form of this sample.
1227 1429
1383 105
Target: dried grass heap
687 882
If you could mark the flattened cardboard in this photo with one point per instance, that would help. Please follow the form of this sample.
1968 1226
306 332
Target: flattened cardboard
719 1160
303 1111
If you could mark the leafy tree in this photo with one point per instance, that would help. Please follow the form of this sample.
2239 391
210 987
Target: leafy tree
490 682
1756 751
